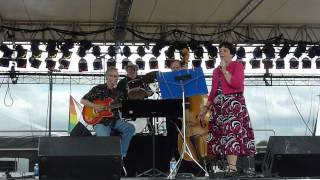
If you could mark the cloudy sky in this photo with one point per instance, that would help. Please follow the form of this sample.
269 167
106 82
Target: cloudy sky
273 109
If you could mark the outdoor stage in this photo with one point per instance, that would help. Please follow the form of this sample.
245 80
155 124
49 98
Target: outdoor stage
82 155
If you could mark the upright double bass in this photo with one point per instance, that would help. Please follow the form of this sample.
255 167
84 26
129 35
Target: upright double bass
196 132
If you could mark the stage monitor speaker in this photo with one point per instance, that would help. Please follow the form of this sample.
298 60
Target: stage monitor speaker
79 158
292 156
80 130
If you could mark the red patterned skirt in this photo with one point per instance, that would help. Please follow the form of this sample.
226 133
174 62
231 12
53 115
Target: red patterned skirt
230 130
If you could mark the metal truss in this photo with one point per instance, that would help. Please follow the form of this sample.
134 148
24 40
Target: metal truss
98 78
241 34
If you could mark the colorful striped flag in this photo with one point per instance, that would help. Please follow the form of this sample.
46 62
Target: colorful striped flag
72 115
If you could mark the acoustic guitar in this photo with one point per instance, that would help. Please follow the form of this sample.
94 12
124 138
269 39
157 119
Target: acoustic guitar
92 117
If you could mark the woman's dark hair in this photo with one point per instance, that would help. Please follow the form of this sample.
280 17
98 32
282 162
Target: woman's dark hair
229 46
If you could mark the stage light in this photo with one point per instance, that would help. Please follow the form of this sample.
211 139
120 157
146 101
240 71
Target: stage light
97 63
170 52
50 63
210 63
241 53
153 63
299 50
198 53
212 50
83 65
155 51
280 63
269 51
141 63
318 63
52 53
141 52
21 57
196 63
257 53
7 55
125 62
306 63
66 54
112 51
267 63
293 63
312 51
111 62
126 51
35 63
284 51
36 54
255 63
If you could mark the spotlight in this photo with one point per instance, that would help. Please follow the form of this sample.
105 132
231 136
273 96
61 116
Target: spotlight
306 63
35 63
111 62
299 50
294 63
280 63
255 63
112 51
312 51
268 50
170 52
210 63
196 63
50 63
267 63
155 51
83 65
51 48
198 53
212 50
7 55
284 51
257 53
36 54
141 63
241 53
126 51
141 52
153 63
97 63
125 62
318 63
64 63
21 57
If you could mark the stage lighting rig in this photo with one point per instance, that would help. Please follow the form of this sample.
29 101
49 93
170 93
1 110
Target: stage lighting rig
210 63
268 50
36 54
139 61
153 63
97 63
301 48
21 56
125 62
111 62
306 63
82 65
112 51
294 63
257 52
126 51
280 63
7 55
66 54
241 53
52 53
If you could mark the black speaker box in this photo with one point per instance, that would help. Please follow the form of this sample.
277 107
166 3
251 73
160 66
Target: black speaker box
80 130
292 156
79 158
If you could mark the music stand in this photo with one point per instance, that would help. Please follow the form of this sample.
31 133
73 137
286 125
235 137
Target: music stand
151 109
182 84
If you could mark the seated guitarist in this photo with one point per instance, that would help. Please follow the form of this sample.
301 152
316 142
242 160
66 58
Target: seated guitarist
104 127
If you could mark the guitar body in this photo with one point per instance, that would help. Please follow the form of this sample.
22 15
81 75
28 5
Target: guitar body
92 117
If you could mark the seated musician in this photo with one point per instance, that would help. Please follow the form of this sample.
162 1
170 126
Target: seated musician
104 127
133 82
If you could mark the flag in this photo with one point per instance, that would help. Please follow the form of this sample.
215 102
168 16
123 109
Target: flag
73 115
